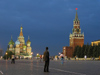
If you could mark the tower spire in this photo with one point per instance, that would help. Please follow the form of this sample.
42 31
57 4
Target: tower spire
11 37
28 41
21 33
28 37
76 16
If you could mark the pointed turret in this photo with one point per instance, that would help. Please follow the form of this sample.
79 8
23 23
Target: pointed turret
21 33
76 16
11 45
28 49
76 33
11 42
21 37
28 42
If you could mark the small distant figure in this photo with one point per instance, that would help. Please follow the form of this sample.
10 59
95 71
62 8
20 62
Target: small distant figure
75 57
69 58
13 59
46 59
93 58
40 58
62 58
56 57
85 57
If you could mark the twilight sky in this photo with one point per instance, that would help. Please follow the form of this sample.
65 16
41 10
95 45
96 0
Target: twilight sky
48 22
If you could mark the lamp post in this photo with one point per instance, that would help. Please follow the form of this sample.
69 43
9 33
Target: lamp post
6 55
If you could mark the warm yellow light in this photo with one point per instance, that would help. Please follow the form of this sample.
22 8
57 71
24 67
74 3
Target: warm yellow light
37 54
6 53
31 53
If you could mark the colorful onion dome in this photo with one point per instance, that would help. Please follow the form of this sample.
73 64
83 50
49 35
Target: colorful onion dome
11 42
17 42
28 41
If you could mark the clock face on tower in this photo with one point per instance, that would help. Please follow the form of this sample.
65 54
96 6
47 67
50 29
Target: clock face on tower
77 30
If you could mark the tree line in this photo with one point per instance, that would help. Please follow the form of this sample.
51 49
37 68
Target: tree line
88 50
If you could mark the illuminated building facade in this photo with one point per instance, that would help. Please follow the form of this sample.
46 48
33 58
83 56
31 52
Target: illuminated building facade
95 43
19 48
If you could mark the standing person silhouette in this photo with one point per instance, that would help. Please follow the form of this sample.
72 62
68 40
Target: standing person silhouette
46 59
85 57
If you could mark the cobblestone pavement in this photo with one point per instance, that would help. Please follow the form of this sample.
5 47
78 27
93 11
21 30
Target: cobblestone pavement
35 67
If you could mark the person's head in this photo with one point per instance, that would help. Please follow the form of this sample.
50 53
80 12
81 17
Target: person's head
46 48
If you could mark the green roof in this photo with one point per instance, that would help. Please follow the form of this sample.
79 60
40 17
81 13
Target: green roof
24 46
11 42
28 42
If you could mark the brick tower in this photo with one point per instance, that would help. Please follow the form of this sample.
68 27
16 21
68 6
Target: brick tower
76 38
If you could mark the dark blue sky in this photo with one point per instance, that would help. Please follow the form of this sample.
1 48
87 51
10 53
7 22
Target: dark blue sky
48 22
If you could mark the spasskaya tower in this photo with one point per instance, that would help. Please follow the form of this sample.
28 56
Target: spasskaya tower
76 38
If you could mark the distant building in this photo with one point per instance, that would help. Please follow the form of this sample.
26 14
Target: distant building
76 38
19 48
95 43
67 51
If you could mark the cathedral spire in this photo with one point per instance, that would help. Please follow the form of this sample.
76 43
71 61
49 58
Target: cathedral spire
76 16
11 42
11 37
28 37
21 33
28 41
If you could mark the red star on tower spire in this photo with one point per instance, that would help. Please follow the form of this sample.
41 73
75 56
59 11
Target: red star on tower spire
76 8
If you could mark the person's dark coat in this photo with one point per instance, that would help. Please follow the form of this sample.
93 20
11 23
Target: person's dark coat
46 56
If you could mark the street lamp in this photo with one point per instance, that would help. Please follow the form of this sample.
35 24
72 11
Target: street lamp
6 55
37 54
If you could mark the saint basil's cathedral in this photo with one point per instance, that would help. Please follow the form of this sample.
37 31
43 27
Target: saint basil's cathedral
19 48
